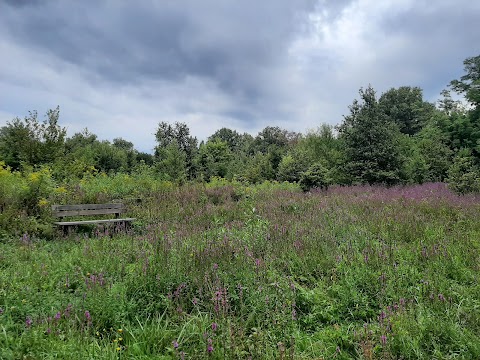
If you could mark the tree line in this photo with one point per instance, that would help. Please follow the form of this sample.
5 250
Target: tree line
393 138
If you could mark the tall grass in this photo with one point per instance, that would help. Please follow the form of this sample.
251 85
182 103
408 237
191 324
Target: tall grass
228 271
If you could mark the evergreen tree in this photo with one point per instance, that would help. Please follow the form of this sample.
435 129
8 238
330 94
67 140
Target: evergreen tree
372 142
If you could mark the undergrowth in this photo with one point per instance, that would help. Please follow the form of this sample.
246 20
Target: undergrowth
226 271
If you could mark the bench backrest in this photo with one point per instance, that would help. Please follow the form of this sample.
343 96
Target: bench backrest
87 209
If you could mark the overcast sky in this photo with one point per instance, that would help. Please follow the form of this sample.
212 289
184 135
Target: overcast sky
119 67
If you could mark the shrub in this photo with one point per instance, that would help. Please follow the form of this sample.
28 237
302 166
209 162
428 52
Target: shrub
315 177
464 174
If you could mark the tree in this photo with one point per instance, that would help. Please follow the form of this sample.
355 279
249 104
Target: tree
147 158
130 152
292 166
469 84
172 163
231 137
465 127
449 106
429 157
109 158
257 169
123 144
464 174
315 177
372 142
323 146
80 140
177 135
32 142
269 137
214 159
406 108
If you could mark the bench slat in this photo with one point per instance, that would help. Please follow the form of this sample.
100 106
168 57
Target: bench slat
87 212
87 207
89 222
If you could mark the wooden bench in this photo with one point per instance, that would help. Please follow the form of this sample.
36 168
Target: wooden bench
61 211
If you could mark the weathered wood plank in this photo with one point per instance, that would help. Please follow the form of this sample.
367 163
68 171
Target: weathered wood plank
84 212
87 207
62 211
91 222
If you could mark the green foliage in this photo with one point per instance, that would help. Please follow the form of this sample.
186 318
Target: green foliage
430 157
172 163
315 177
406 108
464 127
24 201
291 167
372 143
178 135
322 146
469 84
12 187
32 142
464 174
258 169
109 158
231 137
351 272
214 159
269 137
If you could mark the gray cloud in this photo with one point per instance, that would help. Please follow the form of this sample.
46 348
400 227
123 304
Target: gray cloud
120 68
161 40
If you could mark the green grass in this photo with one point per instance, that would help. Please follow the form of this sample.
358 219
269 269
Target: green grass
266 272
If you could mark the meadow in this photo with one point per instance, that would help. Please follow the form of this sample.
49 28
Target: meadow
229 271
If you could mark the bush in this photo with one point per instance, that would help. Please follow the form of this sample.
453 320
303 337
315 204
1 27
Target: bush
315 177
464 174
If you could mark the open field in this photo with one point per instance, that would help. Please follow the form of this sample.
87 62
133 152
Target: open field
263 272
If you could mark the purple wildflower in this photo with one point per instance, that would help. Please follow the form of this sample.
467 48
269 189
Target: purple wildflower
175 344
382 316
28 322
214 326
441 297
66 312
58 315
383 340
88 317
209 346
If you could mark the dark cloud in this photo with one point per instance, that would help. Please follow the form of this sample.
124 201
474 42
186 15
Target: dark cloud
227 41
21 3
439 38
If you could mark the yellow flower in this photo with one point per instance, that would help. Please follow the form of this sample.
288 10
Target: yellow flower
42 202
116 340
34 177
61 190
120 330
120 339
119 348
